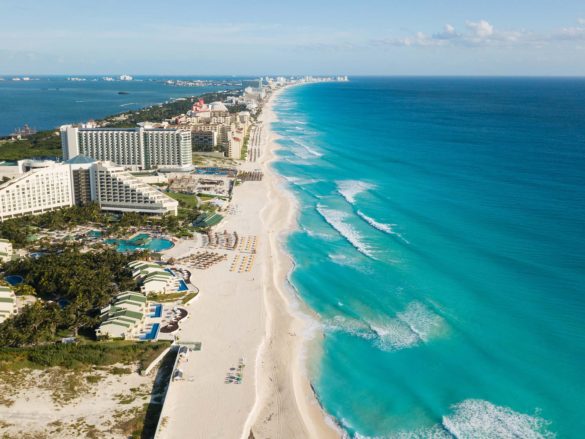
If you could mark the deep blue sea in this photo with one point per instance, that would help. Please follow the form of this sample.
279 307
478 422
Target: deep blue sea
51 101
441 240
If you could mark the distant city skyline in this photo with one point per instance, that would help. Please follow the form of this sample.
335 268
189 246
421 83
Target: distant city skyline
373 37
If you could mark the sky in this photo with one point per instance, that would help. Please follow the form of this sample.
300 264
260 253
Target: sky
254 37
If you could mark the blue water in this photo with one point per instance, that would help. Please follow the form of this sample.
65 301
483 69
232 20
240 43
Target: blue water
52 100
182 285
152 334
441 241
129 245
157 311
14 279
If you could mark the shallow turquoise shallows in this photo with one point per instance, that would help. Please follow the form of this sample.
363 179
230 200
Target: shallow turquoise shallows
441 241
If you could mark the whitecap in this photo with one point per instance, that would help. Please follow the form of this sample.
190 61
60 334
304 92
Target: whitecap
307 148
415 325
299 181
321 235
349 189
478 418
386 228
336 219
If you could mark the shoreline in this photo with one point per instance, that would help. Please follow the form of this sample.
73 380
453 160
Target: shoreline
252 318
283 373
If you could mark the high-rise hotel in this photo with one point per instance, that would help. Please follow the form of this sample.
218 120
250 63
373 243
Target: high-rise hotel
45 186
134 148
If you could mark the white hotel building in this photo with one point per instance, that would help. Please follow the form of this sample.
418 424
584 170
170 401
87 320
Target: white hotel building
117 190
79 181
134 148
37 191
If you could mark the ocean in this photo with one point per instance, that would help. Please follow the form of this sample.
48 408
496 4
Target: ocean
440 240
51 101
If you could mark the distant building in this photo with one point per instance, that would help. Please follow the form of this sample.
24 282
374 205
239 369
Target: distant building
6 250
252 83
204 140
135 148
7 303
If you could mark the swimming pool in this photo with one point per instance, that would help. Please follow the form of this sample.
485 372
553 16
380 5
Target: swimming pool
157 311
14 279
140 242
153 334
182 286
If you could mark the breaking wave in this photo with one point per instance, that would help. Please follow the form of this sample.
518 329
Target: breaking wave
302 181
386 228
476 418
336 219
307 148
415 325
479 418
349 189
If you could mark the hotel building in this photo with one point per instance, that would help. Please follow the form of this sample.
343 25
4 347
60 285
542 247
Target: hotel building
7 303
37 191
6 250
117 190
125 317
134 148
78 181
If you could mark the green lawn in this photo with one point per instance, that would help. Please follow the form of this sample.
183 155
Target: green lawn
185 200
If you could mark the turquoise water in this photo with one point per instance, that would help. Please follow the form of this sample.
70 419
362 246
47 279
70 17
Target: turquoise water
441 241
130 245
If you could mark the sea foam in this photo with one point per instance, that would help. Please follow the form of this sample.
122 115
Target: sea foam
482 419
336 219
309 149
476 418
349 189
386 228
415 325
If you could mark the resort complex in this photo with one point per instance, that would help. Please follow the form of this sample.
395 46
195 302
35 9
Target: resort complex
182 289
134 148
153 278
124 317
7 303
6 251
78 181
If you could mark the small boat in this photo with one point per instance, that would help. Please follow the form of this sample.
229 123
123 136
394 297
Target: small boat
123 93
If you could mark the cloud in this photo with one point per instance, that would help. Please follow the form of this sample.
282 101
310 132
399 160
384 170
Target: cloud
483 33
448 33
480 29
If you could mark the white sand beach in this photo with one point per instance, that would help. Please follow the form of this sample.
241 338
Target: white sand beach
249 316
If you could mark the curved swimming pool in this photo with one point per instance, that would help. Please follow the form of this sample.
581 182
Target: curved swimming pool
141 242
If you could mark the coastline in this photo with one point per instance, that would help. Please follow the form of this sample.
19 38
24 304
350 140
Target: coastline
249 318
286 404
